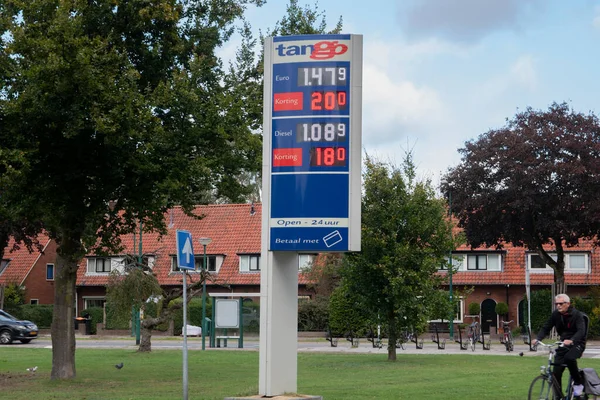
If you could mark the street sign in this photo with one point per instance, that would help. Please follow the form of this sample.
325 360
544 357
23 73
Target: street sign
185 250
312 142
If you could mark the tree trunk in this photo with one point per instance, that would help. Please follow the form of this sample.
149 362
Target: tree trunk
146 336
392 337
63 320
559 286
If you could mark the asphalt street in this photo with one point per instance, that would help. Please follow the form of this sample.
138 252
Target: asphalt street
304 345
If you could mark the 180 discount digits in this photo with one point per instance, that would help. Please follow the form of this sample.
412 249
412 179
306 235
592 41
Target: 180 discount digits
328 157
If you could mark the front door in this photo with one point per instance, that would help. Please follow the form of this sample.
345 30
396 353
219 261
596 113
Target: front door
488 315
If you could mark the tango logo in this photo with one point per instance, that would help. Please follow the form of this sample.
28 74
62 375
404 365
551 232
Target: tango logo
323 50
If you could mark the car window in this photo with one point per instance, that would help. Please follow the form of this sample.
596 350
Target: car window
3 318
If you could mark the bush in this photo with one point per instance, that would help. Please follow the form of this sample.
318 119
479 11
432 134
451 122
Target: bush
41 315
313 314
345 313
501 308
541 308
194 311
474 308
97 315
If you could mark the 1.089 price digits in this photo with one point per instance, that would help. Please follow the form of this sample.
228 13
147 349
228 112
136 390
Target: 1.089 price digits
321 132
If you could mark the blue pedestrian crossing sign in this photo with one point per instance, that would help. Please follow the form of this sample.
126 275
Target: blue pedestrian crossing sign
185 250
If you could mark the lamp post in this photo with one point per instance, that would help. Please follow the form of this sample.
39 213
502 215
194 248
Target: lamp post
204 242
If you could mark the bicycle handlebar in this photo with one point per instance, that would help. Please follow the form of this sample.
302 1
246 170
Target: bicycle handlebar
551 345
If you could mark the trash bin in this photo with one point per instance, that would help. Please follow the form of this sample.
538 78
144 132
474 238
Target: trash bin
86 321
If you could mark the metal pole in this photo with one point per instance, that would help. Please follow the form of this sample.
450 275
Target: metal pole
137 316
204 300
451 327
185 352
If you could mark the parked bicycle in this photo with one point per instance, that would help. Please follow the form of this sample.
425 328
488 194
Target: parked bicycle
507 337
473 334
545 386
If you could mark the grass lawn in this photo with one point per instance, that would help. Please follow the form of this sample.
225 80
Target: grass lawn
219 374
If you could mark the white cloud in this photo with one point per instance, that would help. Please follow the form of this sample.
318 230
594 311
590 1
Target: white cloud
523 72
466 20
596 20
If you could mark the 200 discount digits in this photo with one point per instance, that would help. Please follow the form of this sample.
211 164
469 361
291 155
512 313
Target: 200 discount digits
328 101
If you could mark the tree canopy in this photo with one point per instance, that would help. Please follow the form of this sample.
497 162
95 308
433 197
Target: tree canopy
116 111
406 238
533 183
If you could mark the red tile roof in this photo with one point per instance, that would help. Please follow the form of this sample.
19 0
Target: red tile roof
21 261
234 231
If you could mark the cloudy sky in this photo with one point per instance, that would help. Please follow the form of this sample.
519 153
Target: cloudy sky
438 73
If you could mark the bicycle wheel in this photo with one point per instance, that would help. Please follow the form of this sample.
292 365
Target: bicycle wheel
543 388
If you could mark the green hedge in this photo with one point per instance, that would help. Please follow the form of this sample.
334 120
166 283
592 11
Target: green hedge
313 315
41 315
97 315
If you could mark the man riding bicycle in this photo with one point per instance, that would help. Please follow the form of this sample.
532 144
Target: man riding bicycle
571 328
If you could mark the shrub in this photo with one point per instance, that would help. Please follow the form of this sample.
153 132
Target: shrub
41 315
345 313
541 308
97 316
313 314
501 308
474 308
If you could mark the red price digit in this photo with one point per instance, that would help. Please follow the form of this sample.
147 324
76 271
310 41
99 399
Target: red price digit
329 101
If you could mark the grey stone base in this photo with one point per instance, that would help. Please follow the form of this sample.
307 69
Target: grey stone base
281 397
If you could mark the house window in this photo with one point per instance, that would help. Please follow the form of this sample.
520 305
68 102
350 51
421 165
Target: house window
483 262
3 264
93 302
34 302
305 261
49 272
249 263
458 317
458 263
574 262
98 265
211 263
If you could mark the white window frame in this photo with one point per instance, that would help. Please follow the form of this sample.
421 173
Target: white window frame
249 263
460 262
568 268
34 301
91 268
212 261
93 298
305 261
458 318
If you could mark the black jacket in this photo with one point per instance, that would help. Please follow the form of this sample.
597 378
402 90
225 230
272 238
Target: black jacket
570 325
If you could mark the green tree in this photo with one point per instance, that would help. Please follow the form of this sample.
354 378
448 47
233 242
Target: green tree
117 112
137 286
531 183
406 237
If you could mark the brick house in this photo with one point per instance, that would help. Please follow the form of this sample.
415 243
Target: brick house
233 256
500 276
33 270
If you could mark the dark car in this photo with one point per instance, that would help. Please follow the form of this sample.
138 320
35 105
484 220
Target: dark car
13 329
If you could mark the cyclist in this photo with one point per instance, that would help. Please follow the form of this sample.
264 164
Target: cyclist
570 325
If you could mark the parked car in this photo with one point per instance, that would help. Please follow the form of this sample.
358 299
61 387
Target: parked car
13 329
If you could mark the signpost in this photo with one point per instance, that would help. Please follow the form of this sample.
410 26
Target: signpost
311 179
185 262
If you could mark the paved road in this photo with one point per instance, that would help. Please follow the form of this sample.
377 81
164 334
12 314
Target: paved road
304 345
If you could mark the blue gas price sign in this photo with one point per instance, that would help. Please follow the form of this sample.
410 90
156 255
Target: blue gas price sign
312 143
